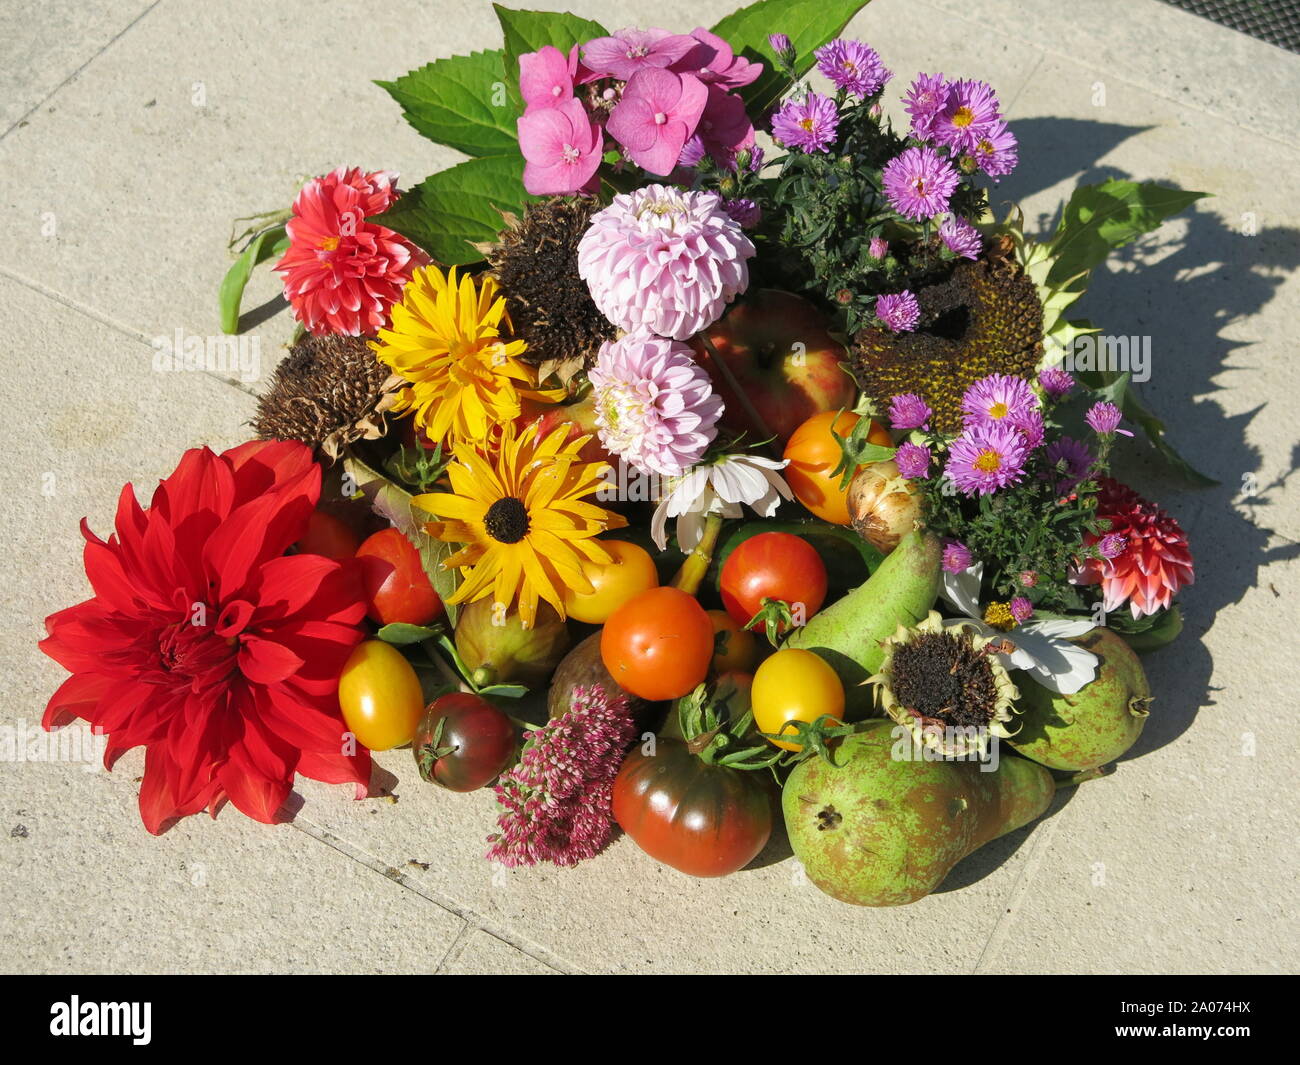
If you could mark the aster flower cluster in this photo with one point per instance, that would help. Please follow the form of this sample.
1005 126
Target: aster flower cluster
557 797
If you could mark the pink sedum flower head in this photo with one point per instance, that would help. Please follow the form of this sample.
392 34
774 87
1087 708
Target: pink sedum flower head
809 124
967 115
558 799
899 311
918 183
341 273
660 260
546 77
924 99
960 237
627 52
655 406
656 115
853 66
561 149
986 458
909 411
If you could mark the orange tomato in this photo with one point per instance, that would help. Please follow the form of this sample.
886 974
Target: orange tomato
658 644
737 650
814 453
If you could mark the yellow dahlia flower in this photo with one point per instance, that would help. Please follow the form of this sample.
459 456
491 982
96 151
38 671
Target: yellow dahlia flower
450 341
522 519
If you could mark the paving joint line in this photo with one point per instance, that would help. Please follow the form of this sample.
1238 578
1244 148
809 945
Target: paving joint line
73 76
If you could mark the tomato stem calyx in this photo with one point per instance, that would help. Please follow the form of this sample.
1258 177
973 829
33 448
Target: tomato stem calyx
716 724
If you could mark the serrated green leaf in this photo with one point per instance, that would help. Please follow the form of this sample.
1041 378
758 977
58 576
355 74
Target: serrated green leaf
808 23
463 102
527 31
397 505
269 243
400 633
447 213
1100 218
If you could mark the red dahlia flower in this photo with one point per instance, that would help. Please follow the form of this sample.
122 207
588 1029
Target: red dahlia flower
1155 560
210 647
342 274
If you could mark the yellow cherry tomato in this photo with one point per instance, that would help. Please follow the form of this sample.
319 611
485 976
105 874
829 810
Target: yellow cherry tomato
612 584
795 685
735 650
813 453
380 696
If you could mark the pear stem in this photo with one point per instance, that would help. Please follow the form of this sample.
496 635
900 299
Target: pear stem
1081 778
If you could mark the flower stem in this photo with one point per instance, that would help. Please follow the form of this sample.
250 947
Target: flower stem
692 573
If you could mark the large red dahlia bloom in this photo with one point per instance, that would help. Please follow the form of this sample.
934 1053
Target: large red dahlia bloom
1154 561
342 274
209 646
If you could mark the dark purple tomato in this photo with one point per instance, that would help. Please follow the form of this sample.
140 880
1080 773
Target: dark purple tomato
463 742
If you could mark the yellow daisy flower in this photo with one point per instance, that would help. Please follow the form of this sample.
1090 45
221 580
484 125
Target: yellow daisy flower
522 520
450 341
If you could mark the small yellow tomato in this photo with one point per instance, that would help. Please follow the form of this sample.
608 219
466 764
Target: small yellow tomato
795 685
735 650
380 696
631 572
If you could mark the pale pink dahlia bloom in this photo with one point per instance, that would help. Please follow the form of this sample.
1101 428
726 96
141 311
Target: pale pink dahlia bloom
655 406
558 798
341 273
664 261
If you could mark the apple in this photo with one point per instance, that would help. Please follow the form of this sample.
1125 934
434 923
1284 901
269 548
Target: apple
780 365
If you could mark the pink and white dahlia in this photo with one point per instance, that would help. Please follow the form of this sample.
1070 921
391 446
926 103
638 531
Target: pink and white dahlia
655 406
664 261
341 273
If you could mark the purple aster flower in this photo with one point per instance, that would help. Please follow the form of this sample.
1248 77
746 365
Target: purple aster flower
987 457
1069 460
1112 545
919 182
852 66
995 150
967 115
809 125
780 43
744 212
1021 609
956 557
899 311
913 461
998 398
1055 381
924 100
909 411
692 152
1030 426
750 159
1103 419
878 248
961 237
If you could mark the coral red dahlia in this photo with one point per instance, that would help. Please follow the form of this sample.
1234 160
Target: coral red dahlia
210 647
342 273
1153 563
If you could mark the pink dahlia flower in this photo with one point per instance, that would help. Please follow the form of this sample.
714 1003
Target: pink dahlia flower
1153 560
561 149
341 273
655 406
558 799
664 261
655 117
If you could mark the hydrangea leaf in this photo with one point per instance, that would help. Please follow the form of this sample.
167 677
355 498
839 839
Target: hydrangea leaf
528 31
451 211
808 23
463 102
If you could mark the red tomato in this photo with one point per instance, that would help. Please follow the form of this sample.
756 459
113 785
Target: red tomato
397 588
773 565
658 644
476 744
328 536
702 819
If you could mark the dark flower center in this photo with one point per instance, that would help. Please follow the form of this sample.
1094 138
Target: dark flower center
506 520
941 675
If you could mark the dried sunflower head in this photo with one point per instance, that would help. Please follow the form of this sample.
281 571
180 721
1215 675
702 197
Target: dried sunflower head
985 317
327 392
536 263
944 683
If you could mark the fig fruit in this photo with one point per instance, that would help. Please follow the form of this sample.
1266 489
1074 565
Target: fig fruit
497 649
583 668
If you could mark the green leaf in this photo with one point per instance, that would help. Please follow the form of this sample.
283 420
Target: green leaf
808 23
504 691
527 31
463 102
452 210
1100 218
398 506
1137 411
400 633
268 243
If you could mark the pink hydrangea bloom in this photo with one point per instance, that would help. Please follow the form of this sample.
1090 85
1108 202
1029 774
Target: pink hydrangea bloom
558 799
722 67
626 52
658 112
546 77
561 149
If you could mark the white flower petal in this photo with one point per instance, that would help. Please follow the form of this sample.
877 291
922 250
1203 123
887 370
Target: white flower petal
962 590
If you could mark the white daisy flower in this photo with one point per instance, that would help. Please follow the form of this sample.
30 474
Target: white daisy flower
718 487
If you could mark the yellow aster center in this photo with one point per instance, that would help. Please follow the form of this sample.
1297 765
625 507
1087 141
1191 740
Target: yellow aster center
806 123
963 117
998 410
989 461
998 615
